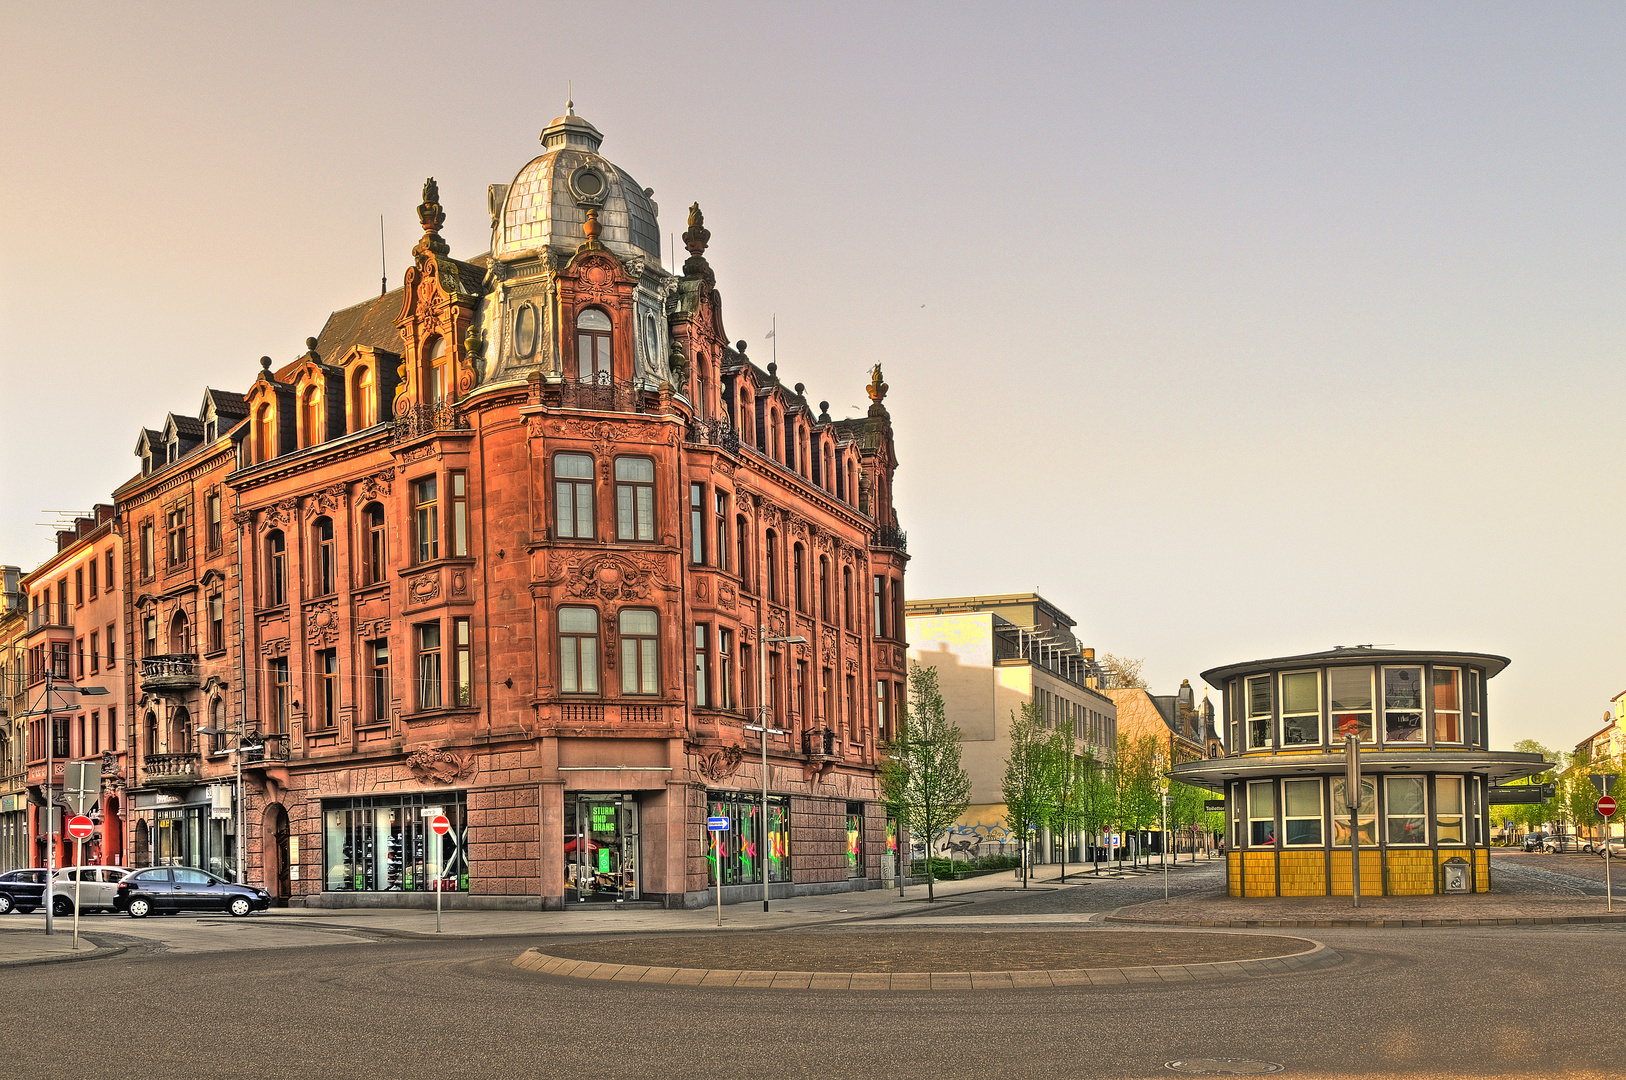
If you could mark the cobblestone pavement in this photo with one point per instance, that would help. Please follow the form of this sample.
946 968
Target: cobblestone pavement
1564 875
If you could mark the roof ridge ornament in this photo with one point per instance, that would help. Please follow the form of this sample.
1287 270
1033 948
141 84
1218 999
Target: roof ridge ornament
696 239
431 215
877 392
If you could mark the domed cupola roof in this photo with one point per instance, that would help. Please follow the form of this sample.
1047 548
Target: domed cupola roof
548 201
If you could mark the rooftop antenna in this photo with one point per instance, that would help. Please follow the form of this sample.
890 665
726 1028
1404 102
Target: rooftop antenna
383 260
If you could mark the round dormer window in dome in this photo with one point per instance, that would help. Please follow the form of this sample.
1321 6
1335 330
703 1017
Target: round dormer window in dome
588 185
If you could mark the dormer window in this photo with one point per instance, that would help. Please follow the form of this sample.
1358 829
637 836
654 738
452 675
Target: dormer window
593 345
364 399
211 430
265 439
310 415
437 386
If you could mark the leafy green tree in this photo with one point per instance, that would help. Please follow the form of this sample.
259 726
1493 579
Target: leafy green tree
1186 810
1098 800
1139 801
922 780
1069 775
1029 775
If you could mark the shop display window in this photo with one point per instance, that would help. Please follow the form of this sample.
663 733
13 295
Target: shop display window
384 844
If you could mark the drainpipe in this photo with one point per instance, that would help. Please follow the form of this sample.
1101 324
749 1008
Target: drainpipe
242 697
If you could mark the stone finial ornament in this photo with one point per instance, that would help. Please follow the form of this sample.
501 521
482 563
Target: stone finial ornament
876 388
431 215
697 236
824 412
474 343
310 350
265 364
591 229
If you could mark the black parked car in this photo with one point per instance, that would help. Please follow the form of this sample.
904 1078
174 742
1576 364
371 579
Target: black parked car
22 889
185 888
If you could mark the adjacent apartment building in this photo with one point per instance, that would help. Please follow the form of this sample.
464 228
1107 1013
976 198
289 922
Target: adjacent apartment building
13 704
993 655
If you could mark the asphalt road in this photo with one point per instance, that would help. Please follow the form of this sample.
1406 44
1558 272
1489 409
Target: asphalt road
1415 1002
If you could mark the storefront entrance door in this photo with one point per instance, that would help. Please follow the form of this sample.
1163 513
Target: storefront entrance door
601 848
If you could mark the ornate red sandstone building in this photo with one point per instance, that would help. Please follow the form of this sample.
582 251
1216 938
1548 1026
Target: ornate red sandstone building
520 543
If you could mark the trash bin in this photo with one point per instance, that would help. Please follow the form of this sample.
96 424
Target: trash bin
1454 876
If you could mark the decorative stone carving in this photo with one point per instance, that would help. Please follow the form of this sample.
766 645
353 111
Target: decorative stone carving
610 577
460 583
276 648
241 518
440 766
327 501
702 590
322 623
718 765
726 597
374 487
423 588
829 648
275 517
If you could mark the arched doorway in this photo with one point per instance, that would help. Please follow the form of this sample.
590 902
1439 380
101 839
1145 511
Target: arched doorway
274 853
112 833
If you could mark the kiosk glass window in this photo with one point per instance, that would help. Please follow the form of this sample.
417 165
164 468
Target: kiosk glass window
1366 814
1403 705
1262 813
1301 806
1448 809
1350 691
1259 712
1447 705
1301 708
1406 810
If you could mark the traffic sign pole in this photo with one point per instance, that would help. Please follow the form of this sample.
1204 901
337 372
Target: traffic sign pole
79 827
440 825
717 826
1606 809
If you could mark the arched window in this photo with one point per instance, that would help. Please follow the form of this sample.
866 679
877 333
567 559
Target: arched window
773 565
578 650
364 399
178 634
265 437
276 569
437 371
375 564
742 533
824 589
152 733
639 632
776 446
525 331
310 416
798 569
180 732
217 723
323 557
593 345
847 596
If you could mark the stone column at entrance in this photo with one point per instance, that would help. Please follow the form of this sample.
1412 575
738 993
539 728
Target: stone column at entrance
552 847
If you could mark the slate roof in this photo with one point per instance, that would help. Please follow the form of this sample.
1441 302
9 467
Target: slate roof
187 427
226 403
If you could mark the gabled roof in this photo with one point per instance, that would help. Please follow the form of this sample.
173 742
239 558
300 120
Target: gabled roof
227 404
187 427
148 438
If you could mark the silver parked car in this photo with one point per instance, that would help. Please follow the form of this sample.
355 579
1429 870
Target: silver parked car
98 885
1565 845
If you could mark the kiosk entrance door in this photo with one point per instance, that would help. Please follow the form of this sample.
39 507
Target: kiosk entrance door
601 848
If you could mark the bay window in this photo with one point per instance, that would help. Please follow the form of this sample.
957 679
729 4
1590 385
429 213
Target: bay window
573 496
426 518
578 650
640 631
429 695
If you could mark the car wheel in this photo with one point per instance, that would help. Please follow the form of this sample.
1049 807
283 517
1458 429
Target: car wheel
5 904
62 907
240 906
140 908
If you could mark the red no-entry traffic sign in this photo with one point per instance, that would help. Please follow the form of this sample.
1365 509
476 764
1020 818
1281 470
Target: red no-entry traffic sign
1606 806
439 825
80 827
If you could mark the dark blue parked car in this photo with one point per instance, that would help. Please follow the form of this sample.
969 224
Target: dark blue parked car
23 890
164 889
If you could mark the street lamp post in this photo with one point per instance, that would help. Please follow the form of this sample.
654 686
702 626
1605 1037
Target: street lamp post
49 712
763 641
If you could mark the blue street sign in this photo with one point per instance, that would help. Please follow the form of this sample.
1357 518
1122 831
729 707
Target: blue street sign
717 824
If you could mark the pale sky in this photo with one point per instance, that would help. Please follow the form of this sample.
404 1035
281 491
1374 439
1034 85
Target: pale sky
1235 330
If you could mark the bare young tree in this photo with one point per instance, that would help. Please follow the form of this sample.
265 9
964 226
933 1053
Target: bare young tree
922 780
1121 672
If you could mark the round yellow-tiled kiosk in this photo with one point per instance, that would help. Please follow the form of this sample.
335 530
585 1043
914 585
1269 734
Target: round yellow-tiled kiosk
1425 772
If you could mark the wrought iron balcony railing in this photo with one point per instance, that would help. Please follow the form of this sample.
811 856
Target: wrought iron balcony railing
890 536
719 433
420 420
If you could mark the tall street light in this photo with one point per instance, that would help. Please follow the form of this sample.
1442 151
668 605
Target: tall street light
764 640
242 836
49 712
